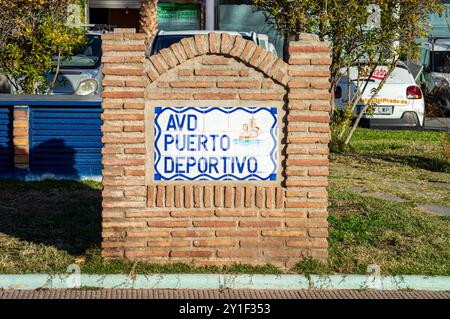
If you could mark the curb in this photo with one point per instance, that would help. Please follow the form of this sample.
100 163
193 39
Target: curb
224 281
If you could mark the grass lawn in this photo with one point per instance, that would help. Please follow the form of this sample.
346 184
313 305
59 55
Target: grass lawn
382 195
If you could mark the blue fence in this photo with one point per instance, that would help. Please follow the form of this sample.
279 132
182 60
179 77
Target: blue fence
64 135
65 141
6 139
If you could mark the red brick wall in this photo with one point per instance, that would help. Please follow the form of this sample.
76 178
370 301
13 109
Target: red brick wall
20 137
222 222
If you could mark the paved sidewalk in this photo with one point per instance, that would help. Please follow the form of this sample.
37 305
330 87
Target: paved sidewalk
218 294
437 123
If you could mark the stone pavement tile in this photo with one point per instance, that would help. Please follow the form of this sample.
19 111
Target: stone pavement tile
356 189
437 123
406 185
441 184
390 197
436 209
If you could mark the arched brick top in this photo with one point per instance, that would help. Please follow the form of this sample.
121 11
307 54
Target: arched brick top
218 44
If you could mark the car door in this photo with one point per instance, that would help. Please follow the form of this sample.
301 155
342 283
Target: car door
425 79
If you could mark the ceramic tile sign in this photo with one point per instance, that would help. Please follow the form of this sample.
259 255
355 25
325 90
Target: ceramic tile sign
216 143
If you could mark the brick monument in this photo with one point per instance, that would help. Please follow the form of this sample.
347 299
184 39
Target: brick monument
215 151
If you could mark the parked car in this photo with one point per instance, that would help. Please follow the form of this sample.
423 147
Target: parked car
399 103
164 39
433 70
81 74
5 86
263 41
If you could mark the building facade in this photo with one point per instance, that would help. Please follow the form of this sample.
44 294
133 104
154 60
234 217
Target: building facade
173 15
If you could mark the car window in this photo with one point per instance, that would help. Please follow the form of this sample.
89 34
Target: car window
165 41
441 61
86 57
399 75
424 56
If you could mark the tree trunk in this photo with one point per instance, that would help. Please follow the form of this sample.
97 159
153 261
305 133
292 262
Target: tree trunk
148 22
365 108
447 149
333 87
55 76
287 39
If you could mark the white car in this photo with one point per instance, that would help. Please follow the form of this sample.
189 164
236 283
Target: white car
399 103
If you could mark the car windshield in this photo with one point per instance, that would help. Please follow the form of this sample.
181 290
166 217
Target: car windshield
86 57
400 74
441 61
165 41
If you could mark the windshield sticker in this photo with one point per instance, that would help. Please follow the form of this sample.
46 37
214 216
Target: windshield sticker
379 74
381 100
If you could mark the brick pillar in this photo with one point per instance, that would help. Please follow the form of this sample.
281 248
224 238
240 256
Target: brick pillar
308 135
20 137
124 140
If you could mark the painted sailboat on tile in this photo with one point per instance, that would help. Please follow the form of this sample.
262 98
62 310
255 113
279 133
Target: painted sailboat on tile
250 131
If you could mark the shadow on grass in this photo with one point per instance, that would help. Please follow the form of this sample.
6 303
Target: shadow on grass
66 215
63 214
415 161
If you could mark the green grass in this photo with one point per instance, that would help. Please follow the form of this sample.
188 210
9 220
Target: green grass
421 149
45 226
397 237
94 264
402 163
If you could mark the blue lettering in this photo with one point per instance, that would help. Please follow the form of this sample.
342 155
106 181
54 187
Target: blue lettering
168 139
255 165
205 165
168 169
225 142
240 166
171 123
177 122
202 139
190 163
224 163
177 142
192 122
213 165
191 143
213 137
181 123
179 164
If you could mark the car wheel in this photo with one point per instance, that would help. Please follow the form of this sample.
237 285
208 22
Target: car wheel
445 106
